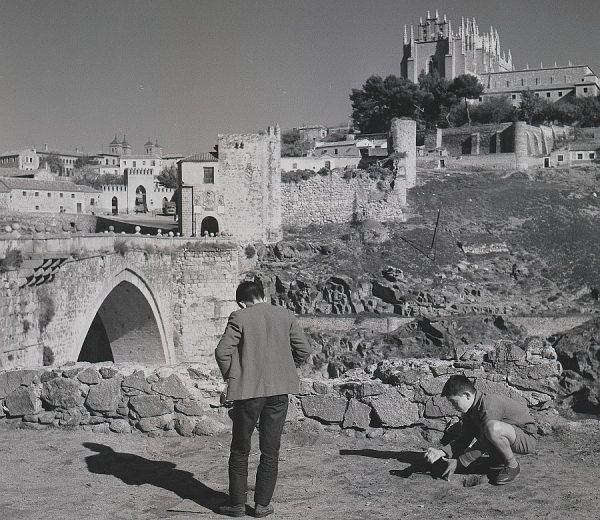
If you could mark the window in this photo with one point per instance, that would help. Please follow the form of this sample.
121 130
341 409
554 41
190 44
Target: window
72 195
153 163
537 94
592 155
61 195
91 202
37 193
134 163
559 93
37 208
551 80
328 164
61 209
49 194
522 82
547 94
514 96
480 99
143 163
209 175
295 166
560 158
585 89
24 194
335 151
507 83
579 156
537 81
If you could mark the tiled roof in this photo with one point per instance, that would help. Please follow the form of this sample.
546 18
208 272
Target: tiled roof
202 157
584 146
17 183
62 152
15 152
15 172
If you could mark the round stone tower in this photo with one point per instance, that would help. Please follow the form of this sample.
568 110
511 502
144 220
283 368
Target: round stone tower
521 162
404 140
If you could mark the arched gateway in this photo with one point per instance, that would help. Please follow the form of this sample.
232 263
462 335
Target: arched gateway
125 325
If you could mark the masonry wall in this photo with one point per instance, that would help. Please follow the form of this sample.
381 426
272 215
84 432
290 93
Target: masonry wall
52 222
500 161
53 201
334 199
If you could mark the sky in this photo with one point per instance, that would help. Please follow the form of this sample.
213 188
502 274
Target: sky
75 72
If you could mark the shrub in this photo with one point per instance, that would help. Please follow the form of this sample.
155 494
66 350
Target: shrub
47 356
11 261
47 309
250 251
121 247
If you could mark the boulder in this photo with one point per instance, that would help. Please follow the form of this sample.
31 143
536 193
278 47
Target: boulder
185 425
161 422
328 408
209 426
120 426
11 380
434 385
171 387
105 396
89 376
394 410
22 401
358 415
137 381
438 406
62 393
192 407
151 405
108 372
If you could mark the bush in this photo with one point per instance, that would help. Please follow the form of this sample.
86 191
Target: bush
47 357
12 260
250 251
297 175
121 247
47 309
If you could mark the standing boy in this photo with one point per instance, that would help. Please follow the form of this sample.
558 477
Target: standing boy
501 425
257 356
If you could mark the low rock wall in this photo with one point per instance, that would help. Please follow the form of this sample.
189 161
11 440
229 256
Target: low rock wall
392 398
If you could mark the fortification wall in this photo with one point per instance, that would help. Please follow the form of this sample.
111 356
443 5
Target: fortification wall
335 199
52 222
499 161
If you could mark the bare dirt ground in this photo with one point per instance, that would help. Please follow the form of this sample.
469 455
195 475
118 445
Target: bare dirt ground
80 475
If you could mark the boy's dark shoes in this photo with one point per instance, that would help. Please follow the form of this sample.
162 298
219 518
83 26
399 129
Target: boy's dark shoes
261 511
506 475
236 510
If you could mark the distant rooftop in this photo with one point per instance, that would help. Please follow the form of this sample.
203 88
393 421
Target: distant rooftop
202 157
18 183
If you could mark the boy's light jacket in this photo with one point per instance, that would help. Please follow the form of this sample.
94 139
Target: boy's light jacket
259 351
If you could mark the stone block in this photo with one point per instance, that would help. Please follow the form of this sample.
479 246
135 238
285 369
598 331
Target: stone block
71 418
434 385
358 415
394 410
322 388
108 372
438 406
151 405
105 396
72 372
48 376
46 417
192 407
171 387
120 426
328 408
89 376
62 393
101 428
207 425
185 425
11 380
160 422
306 386
137 381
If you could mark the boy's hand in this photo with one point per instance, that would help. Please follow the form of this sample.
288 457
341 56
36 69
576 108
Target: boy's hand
452 465
434 454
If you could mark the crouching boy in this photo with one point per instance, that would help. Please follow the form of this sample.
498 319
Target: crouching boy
501 425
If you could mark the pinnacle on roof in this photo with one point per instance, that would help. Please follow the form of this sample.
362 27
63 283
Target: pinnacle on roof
124 143
115 140
148 143
156 143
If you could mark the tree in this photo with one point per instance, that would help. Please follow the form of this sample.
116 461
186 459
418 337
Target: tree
89 177
532 108
294 145
437 99
52 162
80 162
168 177
466 87
379 100
494 109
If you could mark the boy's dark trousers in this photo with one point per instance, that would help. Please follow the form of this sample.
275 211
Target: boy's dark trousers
271 411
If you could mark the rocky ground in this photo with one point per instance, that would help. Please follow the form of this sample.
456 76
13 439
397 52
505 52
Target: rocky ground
75 474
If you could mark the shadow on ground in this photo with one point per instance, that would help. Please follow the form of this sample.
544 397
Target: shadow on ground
135 471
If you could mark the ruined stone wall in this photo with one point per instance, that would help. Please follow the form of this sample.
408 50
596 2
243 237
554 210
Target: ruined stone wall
500 161
477 139
335 199
394 399
55 222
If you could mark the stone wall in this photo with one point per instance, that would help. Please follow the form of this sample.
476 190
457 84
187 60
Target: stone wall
393 398
339 197
53 222
499 161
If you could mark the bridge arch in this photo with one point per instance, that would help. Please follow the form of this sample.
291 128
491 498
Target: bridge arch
127 316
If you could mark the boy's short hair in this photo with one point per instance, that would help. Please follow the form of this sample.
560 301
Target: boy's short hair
457 385
248 292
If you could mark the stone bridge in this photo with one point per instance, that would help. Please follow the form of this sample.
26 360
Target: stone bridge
154 300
